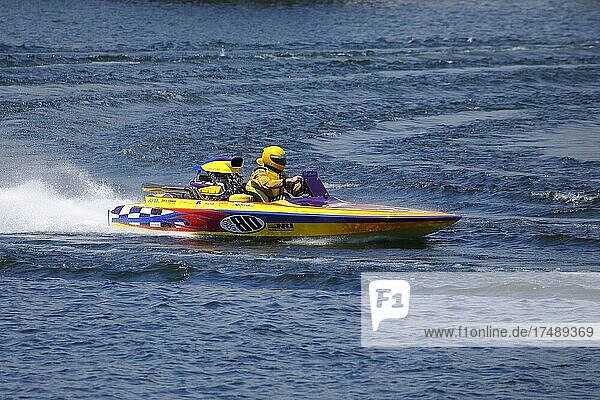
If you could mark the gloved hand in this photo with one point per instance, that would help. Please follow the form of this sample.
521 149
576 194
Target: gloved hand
294 180
297 188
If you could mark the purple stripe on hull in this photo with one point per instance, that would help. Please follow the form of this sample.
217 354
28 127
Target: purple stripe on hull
341 219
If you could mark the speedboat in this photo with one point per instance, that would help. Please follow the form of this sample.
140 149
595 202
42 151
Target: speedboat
214 203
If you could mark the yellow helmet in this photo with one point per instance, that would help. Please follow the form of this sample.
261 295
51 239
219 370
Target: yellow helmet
274 157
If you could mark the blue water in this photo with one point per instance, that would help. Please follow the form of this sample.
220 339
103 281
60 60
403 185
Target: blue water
487 109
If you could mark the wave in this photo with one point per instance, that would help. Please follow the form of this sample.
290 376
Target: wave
567 197
65 200
391 54
341 185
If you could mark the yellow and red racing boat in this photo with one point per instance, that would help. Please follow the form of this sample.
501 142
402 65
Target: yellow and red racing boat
214 204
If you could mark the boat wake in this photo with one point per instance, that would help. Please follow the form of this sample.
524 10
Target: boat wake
65 203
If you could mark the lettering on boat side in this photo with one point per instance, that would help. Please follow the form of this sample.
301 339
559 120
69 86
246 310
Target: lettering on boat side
281 227
242 224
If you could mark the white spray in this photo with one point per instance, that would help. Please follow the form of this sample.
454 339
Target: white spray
63 200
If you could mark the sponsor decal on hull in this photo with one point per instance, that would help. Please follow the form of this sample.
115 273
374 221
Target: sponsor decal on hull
242 224
285 227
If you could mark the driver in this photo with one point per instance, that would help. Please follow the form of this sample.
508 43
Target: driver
268 182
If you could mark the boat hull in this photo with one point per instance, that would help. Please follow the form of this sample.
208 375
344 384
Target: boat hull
279 219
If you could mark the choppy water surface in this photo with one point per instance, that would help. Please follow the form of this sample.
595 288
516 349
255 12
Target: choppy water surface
490 110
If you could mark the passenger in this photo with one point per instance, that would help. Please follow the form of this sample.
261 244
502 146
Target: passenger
268 181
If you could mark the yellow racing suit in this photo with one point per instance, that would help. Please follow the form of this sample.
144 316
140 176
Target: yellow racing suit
268 184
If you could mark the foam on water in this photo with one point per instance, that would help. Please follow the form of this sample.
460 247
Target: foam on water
341 185
69 202
567 197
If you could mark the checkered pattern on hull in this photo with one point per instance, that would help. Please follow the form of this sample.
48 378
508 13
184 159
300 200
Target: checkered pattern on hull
152 217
